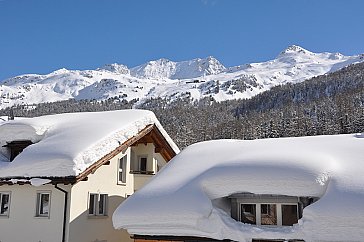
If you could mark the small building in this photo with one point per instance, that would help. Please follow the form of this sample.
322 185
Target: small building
62 176
285 189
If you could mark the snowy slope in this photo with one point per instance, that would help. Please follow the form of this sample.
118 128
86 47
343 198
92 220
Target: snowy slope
202 176
196 78
164 68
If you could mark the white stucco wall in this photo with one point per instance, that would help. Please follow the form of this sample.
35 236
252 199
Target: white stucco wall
87 228
153 160
140 180
22 225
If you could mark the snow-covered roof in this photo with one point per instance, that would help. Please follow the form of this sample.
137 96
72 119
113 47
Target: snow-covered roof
67 144
3 119
185 197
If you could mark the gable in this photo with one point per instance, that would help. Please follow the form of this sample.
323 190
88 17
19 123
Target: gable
150 134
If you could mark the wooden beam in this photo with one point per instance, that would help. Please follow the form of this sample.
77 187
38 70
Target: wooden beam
159 149
167 152
112 154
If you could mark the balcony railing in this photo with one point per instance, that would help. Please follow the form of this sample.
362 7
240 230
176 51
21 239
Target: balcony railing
142 172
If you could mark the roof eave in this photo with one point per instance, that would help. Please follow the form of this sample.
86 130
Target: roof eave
27 180
167 152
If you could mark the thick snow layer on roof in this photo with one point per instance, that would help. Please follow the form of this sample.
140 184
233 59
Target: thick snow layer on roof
3 119
67 144
186 198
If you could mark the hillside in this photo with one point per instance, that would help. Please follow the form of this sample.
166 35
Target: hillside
195 79
327 104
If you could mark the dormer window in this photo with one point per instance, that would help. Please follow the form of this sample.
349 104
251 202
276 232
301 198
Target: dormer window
16 147
268 210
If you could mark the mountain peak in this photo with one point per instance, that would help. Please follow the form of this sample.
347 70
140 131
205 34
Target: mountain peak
209 65
294 49
59 71
198 77
210 57
162 60
155 69
164 68
115 67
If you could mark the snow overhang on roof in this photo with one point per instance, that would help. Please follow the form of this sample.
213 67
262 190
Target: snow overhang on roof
194 202
66 145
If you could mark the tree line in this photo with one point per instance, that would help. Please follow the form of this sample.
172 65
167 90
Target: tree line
328 104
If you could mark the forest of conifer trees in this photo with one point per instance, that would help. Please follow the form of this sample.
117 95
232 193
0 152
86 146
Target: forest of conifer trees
328 104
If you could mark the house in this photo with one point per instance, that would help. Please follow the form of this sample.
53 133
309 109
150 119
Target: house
285 189
62 176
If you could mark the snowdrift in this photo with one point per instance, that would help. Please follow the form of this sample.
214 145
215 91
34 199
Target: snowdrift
188 196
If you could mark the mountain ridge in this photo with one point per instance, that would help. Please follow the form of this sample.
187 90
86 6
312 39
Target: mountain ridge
197 78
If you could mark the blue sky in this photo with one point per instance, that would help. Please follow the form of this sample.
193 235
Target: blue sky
40 36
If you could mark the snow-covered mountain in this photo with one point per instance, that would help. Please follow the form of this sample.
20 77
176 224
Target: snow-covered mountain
163 68
116 68
196 78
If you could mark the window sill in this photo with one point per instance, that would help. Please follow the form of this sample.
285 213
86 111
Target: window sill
143 172
121 183
41 217
97 216
270 226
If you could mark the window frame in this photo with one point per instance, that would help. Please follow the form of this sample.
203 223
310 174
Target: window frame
104 204
258 214
39 195
268 214
297 212
122 165
140 157
5 215
254 208
96 204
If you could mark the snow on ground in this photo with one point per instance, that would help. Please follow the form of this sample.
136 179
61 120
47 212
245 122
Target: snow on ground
167 79
183 198
66 144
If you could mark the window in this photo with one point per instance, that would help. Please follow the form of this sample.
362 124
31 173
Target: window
4 204
43 204
248 213
289 214
270 210
122 169
16 147
268 214
97 204
142 164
